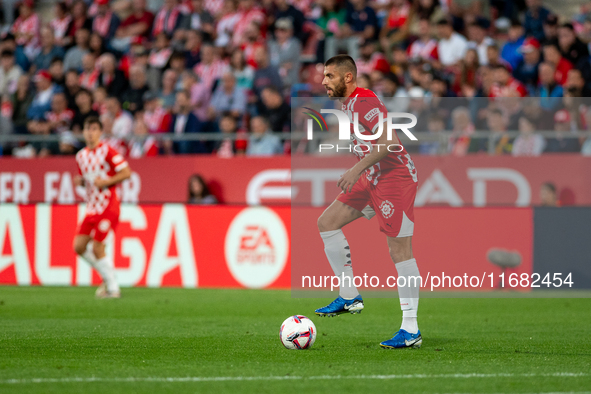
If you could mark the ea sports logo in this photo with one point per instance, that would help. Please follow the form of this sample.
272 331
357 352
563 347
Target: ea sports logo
256 247
387 209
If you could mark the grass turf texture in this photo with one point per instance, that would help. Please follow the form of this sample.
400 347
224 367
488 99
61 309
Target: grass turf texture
515 345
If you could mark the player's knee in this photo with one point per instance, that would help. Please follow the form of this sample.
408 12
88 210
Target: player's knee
324 223
98 249
399 251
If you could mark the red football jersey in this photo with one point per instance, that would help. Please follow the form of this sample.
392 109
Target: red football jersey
368 106
100 162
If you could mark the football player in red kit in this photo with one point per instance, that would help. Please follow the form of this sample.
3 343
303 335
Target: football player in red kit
383 183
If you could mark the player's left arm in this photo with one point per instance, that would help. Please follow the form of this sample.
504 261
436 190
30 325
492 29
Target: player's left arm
122 172
379 151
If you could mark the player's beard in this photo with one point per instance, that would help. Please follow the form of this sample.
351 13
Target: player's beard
339 90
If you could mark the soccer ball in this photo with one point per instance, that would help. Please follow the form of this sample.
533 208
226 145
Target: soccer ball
297 332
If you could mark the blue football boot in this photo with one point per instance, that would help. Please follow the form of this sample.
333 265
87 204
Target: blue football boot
341 305
403 339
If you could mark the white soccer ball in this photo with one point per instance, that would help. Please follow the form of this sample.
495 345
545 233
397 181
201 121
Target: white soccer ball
297 332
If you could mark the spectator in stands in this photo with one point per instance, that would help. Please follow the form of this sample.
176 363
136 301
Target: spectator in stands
571 47
225 26
83 110
527 69
286 51
192 48
548 195
211 68
10 73
435 125
122 120
275 109
96 44
535 16
497 124
227 97
549 91
466 73
68 144
200 19
132 98
459 140
105 22
199 192
141 144
370 59
45 90
330 22
479 39
168 19
138 24
110 77
512 49
73 57
71 87
228 147
561 143
395 28
60 23
575 84
550 27
89 78
243 72
21 101
49 50
528 143
168 92
99 100
56 70
505 85
183 121
266 74
26 33
80 20
262 142
425 46
248 13
60 117
562 66
394 96
156 118
284 9
360 21
452 46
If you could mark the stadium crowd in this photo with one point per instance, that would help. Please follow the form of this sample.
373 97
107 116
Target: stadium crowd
231 66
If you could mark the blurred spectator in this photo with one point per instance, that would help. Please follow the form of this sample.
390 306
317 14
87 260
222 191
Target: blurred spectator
251 41
228 147
96 44
105 22
71 87
562 66
168 19
192 48
528 143
49 50
465 9
60 23
89 78
575 84
227 22
360 21
549 91
286 52
168 93
26 33
571 47
465 77
452 46
60 117
159 56
138 24
505 85
535 16
479 39
99 100
512 50
68 143
21 100
83 111
243 72
395 28
248 13
497 123
330 22
156 118
45 90
527 69
459 140
56 70
371 59
199 192
132 98
548 195
200 19
425 46
73 57
435 125
394 96
266 74
200 94
210 68
110 77
561 143
550 27
183 121
122 120
80 20
284 9
10 73
141 144
275 109
261 141
227 97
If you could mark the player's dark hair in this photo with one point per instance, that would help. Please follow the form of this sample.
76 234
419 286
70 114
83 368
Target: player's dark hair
345 62
204 188
93 120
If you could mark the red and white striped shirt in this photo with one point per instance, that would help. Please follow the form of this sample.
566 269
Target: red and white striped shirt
102 24
214 6
159 58
89 80
60 27
208 73
157 120
166 21
29 26
62 121
423 50
246 18
141 148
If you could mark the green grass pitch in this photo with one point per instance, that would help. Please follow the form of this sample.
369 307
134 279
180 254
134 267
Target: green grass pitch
62 340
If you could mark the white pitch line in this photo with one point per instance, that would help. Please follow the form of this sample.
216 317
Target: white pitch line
94 379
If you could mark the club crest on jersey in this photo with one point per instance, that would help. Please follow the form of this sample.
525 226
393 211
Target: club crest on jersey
372 114
104 225
387 209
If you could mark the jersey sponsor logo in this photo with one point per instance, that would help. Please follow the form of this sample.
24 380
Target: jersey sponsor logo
387 209
256 247
372 114
104 225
